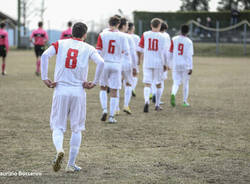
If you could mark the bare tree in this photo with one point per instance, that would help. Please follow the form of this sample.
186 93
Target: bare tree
194 5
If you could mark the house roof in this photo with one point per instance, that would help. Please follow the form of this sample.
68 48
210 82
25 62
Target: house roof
3 16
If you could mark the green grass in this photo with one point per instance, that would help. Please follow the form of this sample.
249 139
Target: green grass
206 143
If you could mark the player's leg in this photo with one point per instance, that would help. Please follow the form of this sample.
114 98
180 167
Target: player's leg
3 54
128 91
58 123
186 78
38 62
103 92
113 105
157 73
134 83
153 92
117 110
165 76
176 82
77 124
147 80
3 65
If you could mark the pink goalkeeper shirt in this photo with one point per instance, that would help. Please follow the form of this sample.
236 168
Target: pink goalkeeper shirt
40 36
66 34
4 39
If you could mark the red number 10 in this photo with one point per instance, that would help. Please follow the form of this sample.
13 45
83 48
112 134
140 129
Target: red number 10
153 45
71 56
180 49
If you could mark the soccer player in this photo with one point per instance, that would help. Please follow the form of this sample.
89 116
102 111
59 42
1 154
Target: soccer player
136 38
129 64
40 37
182 63
68 32
69 99
111 44
163 30
4 46
153 45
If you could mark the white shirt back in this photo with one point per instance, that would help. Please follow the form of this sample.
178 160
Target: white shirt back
182 49
72 61
154 46
112 45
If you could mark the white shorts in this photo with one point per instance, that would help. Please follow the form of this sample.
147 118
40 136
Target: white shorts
180 76
68 102
111 75
128 76
151 75
165 75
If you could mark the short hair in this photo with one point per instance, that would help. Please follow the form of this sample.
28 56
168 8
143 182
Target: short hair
79 29
155 22
2 25
123 22
40 24
184 29
69 24
114 21
164 26
119 16
130 26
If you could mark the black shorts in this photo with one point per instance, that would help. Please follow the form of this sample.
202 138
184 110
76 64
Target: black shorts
39 49
3 51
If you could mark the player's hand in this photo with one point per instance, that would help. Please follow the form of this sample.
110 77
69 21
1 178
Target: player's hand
190 72
49 83
165 68
91 85
134 71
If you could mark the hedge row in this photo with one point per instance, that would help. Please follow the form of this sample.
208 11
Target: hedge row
175 19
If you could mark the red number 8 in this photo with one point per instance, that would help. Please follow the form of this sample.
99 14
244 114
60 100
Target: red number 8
72 58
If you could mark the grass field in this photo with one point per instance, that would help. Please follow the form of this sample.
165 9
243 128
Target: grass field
206 143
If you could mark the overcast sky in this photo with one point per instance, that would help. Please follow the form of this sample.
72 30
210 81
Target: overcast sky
59 12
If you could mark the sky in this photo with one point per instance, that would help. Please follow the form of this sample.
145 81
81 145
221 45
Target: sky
59 12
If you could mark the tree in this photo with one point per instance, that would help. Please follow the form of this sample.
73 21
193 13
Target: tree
225 5
195 5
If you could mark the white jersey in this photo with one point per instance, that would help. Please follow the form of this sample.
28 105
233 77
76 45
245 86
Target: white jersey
136 39
71 62
112 44
182 50
129 60
168 40
153 45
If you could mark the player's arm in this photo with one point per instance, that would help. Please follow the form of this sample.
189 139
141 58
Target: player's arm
189 57
48 53
99 68
170 54
140 48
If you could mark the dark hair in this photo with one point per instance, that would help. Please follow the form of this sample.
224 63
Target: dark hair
114 21
2 25
119 16
69 24
79 29
123 22
130 26
40 24
164 26
155 22
184 29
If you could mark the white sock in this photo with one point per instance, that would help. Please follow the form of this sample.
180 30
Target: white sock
158 96
175 88
103 99
153 88
113 105
135 80
147 94
118 101
75 142
57 137
185 90
162 87
127 95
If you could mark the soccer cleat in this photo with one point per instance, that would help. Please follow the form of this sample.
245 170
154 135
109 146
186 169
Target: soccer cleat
150 96
112 119
127 110
37 74
117 113
146 108
158 108
185 104
173 100
154 99
72 168
133 93
57 162
104 115
4 73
